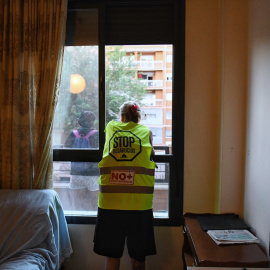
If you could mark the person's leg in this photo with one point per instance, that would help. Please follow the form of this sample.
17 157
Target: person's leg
109 238
136 265
140 237
112 263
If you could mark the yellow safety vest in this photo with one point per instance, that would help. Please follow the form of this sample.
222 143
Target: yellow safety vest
126 173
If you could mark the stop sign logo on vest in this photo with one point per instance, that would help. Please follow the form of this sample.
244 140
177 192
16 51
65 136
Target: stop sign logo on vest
124 146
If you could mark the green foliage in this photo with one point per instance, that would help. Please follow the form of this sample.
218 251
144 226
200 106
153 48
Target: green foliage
121 85
81 60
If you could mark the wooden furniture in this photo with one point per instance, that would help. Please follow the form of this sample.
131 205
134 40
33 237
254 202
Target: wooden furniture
201 251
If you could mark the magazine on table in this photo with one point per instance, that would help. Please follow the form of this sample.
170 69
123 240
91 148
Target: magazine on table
227 237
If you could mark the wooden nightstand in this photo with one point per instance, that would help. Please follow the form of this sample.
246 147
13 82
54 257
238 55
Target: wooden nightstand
200 250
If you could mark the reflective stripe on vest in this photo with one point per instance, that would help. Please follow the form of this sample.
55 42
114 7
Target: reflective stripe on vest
126 189
137 170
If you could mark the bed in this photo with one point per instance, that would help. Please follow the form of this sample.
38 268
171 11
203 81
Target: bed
33 230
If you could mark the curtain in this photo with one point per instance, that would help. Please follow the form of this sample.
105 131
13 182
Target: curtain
32 37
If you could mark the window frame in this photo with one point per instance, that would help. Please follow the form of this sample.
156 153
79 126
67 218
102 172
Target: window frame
176 159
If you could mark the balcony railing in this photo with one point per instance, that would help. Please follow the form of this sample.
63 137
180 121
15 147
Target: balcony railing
149 65
159 102
152 83
153 102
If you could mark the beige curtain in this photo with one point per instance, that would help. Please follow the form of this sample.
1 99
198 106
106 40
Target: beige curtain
31 48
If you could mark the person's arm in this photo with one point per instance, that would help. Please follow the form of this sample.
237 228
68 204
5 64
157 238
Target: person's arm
151 142
70 140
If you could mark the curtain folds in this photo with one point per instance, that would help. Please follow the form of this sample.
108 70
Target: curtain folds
32 35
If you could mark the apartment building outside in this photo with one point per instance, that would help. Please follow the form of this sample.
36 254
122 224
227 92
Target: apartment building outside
154 70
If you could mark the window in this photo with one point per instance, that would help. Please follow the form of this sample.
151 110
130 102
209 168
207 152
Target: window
147 58
169 58
168 133
147 75
168 115
99 45
157 136
168 96
149 99
152 116
168 76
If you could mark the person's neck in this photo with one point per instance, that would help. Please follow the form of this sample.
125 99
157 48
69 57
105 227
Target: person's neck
84 130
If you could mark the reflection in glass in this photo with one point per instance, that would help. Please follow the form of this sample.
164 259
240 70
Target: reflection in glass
77 186
77 108
85 136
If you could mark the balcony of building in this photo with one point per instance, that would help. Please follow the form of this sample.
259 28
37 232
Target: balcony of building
149 65
152 84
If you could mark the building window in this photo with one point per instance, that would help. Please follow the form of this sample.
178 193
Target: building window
168 76
152 116
157 138
102 68
169 58
168 96
169 115
168 133
147 75
149 100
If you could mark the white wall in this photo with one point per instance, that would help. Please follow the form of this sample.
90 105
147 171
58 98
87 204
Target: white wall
257 186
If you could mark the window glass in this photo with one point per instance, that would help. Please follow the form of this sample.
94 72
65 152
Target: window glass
161 191
169 58
168 133
97 78
169 115
77 186
79 192
76 121
149 99
77 112
168 96
168 76
148 89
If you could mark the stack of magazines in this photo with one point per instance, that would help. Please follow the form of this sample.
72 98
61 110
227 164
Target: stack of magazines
225 237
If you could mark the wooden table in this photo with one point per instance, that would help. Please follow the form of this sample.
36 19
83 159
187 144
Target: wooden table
201 251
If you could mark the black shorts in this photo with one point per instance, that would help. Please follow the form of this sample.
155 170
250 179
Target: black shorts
115 226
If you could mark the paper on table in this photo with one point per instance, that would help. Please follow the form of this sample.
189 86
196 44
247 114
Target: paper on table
225 237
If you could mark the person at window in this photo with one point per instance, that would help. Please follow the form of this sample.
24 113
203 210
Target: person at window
84 174
126 191
86 122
